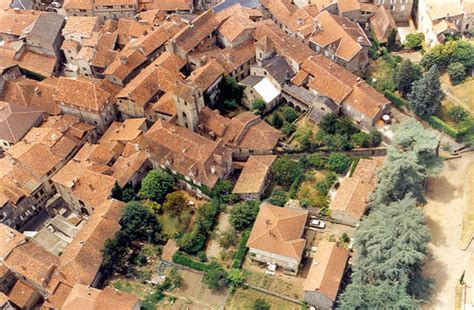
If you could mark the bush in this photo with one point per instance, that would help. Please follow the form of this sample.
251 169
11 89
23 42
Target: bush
194 240
259 105
187 261
325 185
396 100
235 278
228 238
328 123
375 138
276 121
414 41
458 114
355 162
243 215
240 254
316 161
202 256
338 162
278 198
456 72
361 139
290 114
261 304
285 170
215 277
288 129
437 123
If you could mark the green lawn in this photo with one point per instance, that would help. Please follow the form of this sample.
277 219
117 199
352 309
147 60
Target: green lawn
245 298
170 224
381 75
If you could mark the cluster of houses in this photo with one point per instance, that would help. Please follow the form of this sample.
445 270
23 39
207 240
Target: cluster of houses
113 89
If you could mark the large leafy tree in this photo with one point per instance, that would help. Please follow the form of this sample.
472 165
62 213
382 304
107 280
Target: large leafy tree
426 94
285 170
406 75
139 222
175 203
156 185
243 215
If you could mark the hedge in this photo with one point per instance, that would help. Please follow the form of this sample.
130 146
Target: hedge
240 254
396 100
355 162
439 124
187 261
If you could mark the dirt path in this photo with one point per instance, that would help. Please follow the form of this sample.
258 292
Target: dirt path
444 213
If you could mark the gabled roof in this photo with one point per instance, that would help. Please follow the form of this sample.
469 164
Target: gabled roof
278 230
81 94
382 23
203 77
253 176
191 35
346 37
327 269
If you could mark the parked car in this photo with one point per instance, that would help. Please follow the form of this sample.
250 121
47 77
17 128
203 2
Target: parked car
317 224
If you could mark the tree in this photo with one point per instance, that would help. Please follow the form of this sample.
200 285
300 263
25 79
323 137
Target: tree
383 295
442 55
114 252
243 215
414 41
288 129
361 139
456 72
259 105
261 304
117 191
345 126
175 203
235 278
175 277
392 244
375 138
128 193
285 170
401 175
139 222
411 136
338 162
230 90
426 94
278 198
406 75
277 121
328 123
290 114
325 185
156 185
392 44
216 277
228 238
316 161
458 114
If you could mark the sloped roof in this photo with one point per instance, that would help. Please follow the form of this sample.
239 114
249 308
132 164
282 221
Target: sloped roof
82 94
327 269
253 176
15 121
382 23
279 230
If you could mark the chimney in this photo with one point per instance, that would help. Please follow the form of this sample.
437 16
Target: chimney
37 91
359 81
360 39
213 169
91 187
123 60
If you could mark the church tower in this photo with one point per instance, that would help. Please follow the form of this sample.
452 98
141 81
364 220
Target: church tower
189 101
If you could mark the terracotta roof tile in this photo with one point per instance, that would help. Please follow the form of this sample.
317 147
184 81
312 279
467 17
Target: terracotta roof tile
84 25
82 94
327 269
279 230
346 37
21 294
253 176
16 121
203 77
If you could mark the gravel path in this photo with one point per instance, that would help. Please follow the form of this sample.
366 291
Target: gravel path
444 213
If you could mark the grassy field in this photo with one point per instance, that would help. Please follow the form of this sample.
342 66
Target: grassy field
468 221
170 224
464 92
243 299
292 289
381 75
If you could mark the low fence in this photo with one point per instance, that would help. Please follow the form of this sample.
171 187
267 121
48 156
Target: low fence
369 152
296 301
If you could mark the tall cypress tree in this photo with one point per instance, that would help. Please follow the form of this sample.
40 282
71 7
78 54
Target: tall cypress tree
426 94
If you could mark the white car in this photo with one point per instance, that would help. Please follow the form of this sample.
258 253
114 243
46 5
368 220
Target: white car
317 224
